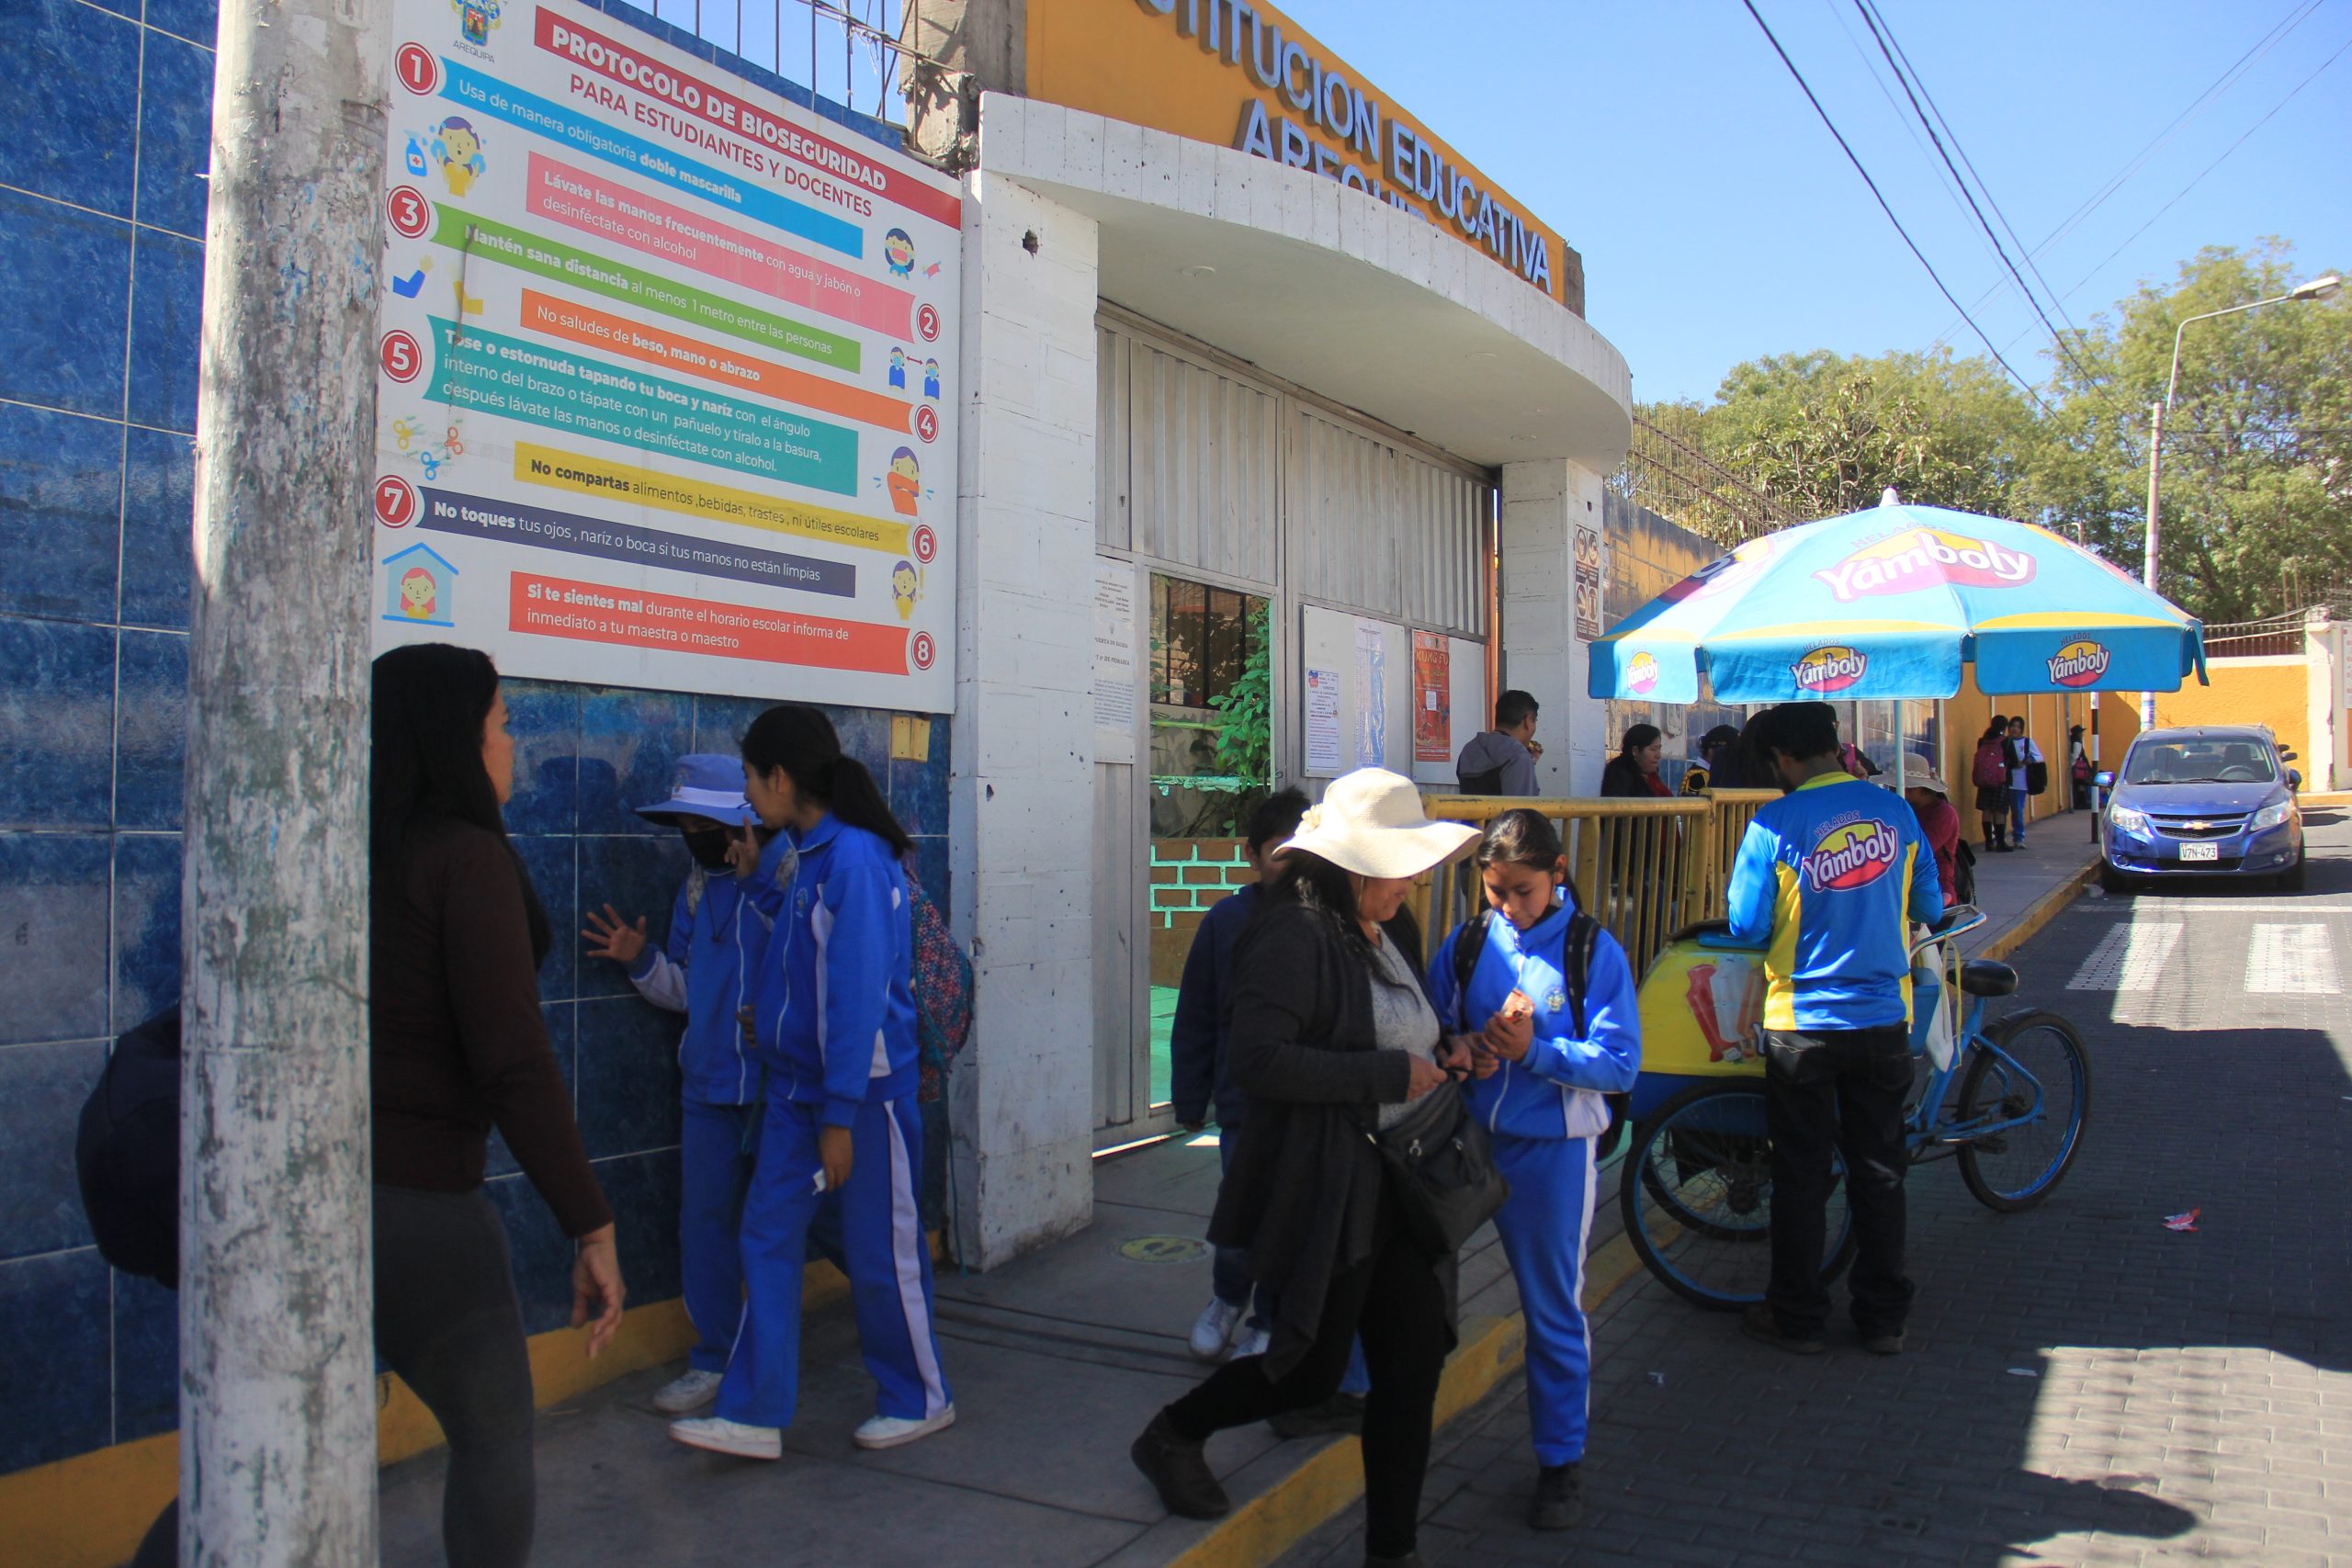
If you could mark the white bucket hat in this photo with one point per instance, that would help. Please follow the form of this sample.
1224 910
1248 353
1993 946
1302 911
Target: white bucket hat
1371 823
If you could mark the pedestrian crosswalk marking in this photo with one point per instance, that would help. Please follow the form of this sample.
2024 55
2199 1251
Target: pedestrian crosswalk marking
2291 960
2129 957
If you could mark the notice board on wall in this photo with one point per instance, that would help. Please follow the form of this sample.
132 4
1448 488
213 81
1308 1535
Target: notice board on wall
665 372
1357 683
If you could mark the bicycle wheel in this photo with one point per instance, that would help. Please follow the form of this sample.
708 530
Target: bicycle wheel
1696 1191
2037 1071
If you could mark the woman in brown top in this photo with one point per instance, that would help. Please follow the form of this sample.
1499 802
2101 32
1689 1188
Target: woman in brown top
457 1046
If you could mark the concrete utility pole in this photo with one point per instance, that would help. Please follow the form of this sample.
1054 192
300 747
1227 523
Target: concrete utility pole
277 1416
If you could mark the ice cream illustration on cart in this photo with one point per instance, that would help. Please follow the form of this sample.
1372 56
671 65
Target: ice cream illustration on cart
1727 997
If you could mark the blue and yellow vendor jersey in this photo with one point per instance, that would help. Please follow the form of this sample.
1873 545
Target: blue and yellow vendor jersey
1827 881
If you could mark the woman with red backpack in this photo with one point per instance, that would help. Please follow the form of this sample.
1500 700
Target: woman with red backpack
1990 774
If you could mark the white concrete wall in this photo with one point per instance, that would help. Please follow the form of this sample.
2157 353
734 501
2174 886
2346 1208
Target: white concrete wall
1022 806
1543 503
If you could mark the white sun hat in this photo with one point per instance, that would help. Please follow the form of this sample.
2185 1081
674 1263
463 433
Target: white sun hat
1371 823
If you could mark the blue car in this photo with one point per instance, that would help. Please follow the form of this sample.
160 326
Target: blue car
2212 803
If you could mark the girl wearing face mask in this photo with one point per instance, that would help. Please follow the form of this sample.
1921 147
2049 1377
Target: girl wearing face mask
832 1021
706 970
1544 998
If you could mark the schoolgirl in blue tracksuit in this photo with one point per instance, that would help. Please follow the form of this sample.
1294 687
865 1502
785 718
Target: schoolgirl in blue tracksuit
1538 1087
706 970
834 1024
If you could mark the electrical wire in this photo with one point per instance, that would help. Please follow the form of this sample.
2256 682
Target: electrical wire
1884 36
1846 148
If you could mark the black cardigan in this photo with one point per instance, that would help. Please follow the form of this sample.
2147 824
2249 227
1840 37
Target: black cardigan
1304 1189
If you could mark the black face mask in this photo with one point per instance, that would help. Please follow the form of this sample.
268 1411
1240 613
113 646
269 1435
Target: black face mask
707 845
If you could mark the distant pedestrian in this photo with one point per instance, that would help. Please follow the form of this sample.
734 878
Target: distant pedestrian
1545 999
1989 771
1201 1079
1633 772
832 1021
1827 882
2078 768
1501 760
1333 1034
2026 770
456 1044
1723 750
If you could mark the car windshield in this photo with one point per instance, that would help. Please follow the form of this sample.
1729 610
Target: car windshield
2200 761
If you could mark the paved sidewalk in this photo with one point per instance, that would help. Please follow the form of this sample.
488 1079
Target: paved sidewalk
2084 1386
2011 887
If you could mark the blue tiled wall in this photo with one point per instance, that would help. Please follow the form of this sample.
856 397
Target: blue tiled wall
102 205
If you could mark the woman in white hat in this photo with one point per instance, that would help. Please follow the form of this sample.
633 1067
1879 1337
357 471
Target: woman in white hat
1332 1034
1931 798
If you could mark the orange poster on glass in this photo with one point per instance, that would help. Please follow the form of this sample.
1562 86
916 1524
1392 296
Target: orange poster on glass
1432 699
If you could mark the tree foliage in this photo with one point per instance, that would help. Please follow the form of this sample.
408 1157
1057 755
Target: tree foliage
2257 459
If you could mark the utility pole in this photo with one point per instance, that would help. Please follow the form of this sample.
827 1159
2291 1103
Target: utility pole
2148 561
278 1413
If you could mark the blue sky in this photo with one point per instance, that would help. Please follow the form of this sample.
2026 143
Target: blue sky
1719 221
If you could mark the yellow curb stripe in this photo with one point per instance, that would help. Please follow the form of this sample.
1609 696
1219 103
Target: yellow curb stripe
2043 911
1284 1514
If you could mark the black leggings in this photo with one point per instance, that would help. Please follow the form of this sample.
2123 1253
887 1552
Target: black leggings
447 1321
1397 1302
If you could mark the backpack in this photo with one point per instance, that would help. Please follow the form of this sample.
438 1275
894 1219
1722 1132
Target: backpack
1576 966
1963 873
941 983
127 1152
2082 769
1992 766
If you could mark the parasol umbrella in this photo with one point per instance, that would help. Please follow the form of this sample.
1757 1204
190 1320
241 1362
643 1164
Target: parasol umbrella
1888 604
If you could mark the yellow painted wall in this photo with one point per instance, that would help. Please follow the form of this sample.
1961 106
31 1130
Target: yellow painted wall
2048 717
2276 692
1117 59
90 1511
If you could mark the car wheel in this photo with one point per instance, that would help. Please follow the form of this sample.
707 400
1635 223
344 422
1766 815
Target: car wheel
2112 880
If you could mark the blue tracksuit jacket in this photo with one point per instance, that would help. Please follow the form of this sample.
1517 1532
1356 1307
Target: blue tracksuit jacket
1205 1016
835 1012
1826 880
1556 1092
707 970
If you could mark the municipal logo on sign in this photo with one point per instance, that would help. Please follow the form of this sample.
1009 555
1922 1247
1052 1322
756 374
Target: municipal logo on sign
1925 557
1831 669
2079 663
1641 675
1850 855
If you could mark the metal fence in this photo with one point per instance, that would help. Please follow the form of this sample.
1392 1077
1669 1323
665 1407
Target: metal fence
2272 635
1645 869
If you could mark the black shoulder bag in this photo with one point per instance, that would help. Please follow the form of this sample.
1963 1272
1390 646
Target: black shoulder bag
1439 1162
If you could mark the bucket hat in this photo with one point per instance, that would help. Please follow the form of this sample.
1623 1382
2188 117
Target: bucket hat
1917 777
704 784
1371 823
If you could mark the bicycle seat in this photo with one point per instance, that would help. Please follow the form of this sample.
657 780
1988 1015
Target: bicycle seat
1983 977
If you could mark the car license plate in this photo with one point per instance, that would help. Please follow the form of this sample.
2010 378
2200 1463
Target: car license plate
2201 852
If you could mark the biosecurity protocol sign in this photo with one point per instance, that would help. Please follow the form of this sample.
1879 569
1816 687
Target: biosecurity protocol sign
664 367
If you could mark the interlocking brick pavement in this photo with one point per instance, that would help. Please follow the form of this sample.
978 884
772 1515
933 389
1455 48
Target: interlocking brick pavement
2191 1395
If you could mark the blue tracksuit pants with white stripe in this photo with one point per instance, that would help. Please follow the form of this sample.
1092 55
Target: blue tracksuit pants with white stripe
1545 1228
889 1264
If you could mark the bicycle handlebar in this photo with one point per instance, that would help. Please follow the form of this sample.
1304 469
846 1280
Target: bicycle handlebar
1960 917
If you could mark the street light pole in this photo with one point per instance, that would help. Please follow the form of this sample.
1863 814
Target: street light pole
2322 287
277 1427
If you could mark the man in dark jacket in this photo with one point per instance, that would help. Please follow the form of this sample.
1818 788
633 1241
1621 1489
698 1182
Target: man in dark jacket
1501 760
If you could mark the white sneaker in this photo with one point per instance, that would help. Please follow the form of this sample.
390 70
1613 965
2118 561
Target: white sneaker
720 1435
1213 1329
897 1431
689 1391
1253 1343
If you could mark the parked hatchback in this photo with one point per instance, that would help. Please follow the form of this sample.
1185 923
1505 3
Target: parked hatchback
2212 802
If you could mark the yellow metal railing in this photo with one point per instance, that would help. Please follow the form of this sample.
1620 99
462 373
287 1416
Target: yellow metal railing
1644 868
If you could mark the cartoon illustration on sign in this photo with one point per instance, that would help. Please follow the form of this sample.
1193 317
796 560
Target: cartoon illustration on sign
898 252
904 480
931 377
414 157
457 147
898 368
902 589
409 287
419 588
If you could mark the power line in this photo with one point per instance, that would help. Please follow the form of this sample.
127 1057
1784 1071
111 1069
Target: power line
2216 163
1884 36
1845 147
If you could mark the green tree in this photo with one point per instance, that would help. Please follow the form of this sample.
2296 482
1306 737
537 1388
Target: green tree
2257 462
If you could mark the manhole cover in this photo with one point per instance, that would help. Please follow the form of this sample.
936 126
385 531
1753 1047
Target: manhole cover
1163 1250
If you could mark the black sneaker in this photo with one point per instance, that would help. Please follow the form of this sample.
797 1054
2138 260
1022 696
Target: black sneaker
1559 1499
1339 1416
1763 1325
1179 1471
1882 1344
